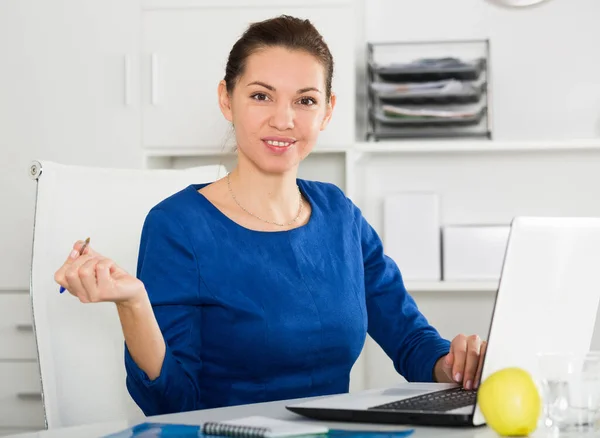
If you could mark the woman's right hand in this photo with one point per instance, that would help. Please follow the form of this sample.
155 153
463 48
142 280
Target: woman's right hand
94 278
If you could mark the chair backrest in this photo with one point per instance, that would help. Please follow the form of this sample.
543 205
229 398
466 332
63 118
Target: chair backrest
80 346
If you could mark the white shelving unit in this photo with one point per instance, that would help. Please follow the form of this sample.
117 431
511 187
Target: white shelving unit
475 146
351 158
206 152
451 286
408 147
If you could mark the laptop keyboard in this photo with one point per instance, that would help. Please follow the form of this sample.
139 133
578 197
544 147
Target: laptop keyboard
438 401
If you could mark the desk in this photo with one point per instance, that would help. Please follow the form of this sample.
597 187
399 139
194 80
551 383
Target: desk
272 409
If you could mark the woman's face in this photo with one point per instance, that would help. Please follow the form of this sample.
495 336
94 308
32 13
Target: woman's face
278 107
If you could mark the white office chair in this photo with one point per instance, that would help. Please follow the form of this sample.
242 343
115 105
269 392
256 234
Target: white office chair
80 346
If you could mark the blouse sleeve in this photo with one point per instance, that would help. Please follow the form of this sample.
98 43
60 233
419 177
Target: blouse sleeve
168 268
394 320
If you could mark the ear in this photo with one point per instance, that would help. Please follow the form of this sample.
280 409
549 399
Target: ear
328 111
225 101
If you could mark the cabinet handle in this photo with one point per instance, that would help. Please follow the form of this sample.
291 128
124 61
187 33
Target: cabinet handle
154 79
127 79
29 395
24 327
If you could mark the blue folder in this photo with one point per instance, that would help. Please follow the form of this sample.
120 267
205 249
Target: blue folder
160 430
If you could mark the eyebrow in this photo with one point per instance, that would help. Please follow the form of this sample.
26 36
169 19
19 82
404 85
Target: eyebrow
272 88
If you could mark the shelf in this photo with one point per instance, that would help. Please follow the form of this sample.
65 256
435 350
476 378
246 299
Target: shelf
410 147
431 135
205 152
186 152
451 286
466 145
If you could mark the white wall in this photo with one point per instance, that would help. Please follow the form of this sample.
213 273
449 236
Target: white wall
545 68
475 188
61 99
545 60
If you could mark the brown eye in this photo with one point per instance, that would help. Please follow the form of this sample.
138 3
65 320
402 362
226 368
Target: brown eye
260 96
308 101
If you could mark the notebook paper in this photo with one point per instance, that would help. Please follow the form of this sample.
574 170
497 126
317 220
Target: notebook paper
251 427
276 428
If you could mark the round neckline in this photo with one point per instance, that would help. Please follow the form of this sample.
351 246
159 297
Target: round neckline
225 218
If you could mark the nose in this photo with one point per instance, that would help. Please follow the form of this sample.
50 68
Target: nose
282 117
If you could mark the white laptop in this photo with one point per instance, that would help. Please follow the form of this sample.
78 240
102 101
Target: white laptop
547 301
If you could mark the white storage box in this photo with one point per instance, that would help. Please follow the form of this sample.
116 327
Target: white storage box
412 234
474 252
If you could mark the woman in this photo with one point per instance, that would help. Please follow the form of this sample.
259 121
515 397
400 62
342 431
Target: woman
261 286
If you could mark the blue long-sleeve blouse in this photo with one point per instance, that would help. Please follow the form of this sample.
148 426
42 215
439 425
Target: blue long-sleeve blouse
250 316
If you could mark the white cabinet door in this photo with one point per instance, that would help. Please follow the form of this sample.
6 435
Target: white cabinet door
17 341
20 395
70 93
185 51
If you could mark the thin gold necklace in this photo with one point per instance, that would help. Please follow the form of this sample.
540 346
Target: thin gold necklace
300 204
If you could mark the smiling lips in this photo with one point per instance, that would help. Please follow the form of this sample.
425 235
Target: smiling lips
281 142
278 145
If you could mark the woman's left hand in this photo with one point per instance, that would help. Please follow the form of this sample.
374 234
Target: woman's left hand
463 363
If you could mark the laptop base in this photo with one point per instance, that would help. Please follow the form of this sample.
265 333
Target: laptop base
388 417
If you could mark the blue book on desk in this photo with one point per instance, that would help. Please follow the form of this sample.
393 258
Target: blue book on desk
251 427
156 430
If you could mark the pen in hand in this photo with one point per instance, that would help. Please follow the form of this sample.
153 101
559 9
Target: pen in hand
85 244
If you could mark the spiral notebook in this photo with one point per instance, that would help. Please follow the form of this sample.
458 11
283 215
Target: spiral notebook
249 427
262 427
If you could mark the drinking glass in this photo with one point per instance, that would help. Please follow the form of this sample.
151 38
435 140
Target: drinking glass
570 391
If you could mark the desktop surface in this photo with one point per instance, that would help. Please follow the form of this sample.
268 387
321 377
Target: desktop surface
272 409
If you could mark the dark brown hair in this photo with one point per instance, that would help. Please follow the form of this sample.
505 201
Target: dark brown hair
284 31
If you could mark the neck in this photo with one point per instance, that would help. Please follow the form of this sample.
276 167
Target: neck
272 197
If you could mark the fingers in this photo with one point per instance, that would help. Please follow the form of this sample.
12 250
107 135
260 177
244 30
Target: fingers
449 361
69 277
472 360
87 276
103 276
93 278
468 354
88 249
80 278
459 350
480 365
76 250
74 255
448 364
74 278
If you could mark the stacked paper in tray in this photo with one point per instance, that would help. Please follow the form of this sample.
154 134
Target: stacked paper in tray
448 112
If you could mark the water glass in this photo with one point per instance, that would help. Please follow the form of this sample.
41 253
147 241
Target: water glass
570 390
